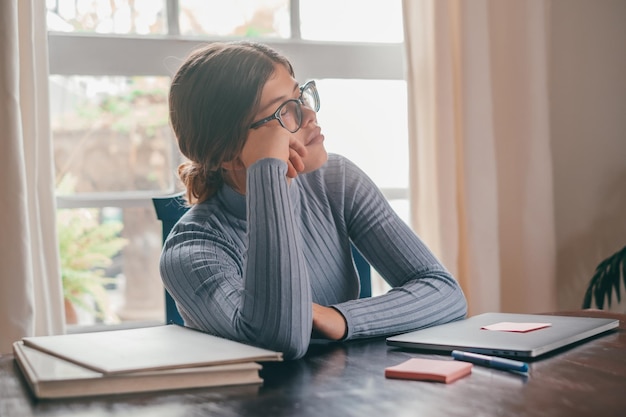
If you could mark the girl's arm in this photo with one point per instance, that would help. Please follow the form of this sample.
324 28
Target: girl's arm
423 292
261 296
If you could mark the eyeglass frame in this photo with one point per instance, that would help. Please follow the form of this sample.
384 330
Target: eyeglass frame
299 103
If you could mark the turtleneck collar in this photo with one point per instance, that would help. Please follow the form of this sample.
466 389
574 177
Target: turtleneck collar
233 201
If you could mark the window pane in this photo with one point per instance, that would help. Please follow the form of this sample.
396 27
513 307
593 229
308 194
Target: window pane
107 16
366 121
241 18
109 265
351 20
111 134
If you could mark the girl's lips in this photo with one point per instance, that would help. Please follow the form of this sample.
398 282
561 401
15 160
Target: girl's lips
316 137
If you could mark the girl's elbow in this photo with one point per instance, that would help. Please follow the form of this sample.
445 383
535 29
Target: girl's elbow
293 343
295 347
295 351
459 303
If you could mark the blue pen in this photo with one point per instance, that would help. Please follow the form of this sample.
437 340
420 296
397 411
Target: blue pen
490 361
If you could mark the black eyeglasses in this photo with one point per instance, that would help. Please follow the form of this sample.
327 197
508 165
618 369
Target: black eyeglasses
289 114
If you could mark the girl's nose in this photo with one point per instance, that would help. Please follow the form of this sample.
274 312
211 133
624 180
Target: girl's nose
308 115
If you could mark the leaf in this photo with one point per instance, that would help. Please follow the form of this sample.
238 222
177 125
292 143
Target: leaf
606 280
624 267
598 292
615 268
86 248
591 290
587 298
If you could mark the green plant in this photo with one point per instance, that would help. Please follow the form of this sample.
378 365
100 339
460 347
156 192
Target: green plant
606 279
86 247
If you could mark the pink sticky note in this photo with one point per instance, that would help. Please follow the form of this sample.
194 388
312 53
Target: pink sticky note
429 370
506 326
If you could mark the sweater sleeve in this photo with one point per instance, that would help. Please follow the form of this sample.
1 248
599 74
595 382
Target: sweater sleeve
259 296
423 292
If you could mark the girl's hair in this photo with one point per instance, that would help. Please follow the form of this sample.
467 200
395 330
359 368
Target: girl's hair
212 101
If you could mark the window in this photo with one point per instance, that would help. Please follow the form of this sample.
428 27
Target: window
111 63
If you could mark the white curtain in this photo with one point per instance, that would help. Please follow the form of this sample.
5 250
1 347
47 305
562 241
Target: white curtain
30 285
481 171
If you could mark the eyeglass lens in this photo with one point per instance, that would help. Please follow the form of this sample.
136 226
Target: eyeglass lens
290 115
310 97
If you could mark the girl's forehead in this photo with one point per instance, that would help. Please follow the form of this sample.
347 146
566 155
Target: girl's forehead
281 77
280 86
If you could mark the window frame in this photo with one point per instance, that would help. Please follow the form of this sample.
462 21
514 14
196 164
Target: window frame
158 55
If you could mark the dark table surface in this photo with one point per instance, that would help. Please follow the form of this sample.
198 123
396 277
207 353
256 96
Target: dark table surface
347 379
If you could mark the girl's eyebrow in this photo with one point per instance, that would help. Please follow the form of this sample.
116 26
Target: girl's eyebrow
280 99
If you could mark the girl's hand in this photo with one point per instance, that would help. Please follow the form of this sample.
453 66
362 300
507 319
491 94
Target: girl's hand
270 141
328 323
295 164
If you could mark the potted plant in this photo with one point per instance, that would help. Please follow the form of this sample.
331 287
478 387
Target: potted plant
86 248
606 279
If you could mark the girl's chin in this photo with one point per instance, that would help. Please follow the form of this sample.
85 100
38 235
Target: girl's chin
315 159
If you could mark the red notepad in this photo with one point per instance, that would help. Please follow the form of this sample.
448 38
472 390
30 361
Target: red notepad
429 370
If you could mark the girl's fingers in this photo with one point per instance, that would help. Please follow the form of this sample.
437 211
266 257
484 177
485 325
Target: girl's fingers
295 160
297 146
291 171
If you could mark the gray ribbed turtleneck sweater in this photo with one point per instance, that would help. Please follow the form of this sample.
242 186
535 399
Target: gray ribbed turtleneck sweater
248 267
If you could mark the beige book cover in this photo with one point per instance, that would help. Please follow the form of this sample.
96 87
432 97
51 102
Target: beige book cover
51 377
148 348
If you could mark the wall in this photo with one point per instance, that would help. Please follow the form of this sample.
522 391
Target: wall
588 129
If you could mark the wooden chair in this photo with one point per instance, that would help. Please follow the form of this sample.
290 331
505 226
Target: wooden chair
170 208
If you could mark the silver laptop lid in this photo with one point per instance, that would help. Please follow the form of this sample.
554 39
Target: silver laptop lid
467 335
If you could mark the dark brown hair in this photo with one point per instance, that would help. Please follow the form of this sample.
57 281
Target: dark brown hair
213 97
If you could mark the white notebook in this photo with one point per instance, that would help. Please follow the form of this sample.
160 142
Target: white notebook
150 348
51 377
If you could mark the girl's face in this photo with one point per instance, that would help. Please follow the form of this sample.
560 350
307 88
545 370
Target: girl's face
277 90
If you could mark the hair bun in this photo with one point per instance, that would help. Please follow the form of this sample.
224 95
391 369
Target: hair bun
200 185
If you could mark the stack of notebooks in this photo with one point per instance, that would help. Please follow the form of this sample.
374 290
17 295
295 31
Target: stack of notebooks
146 359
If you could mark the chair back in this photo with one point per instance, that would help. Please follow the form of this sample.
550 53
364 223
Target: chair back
168 210
171 208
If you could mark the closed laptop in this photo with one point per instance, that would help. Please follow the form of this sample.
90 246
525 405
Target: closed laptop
469 334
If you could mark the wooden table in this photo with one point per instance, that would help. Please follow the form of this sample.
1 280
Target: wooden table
347 380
